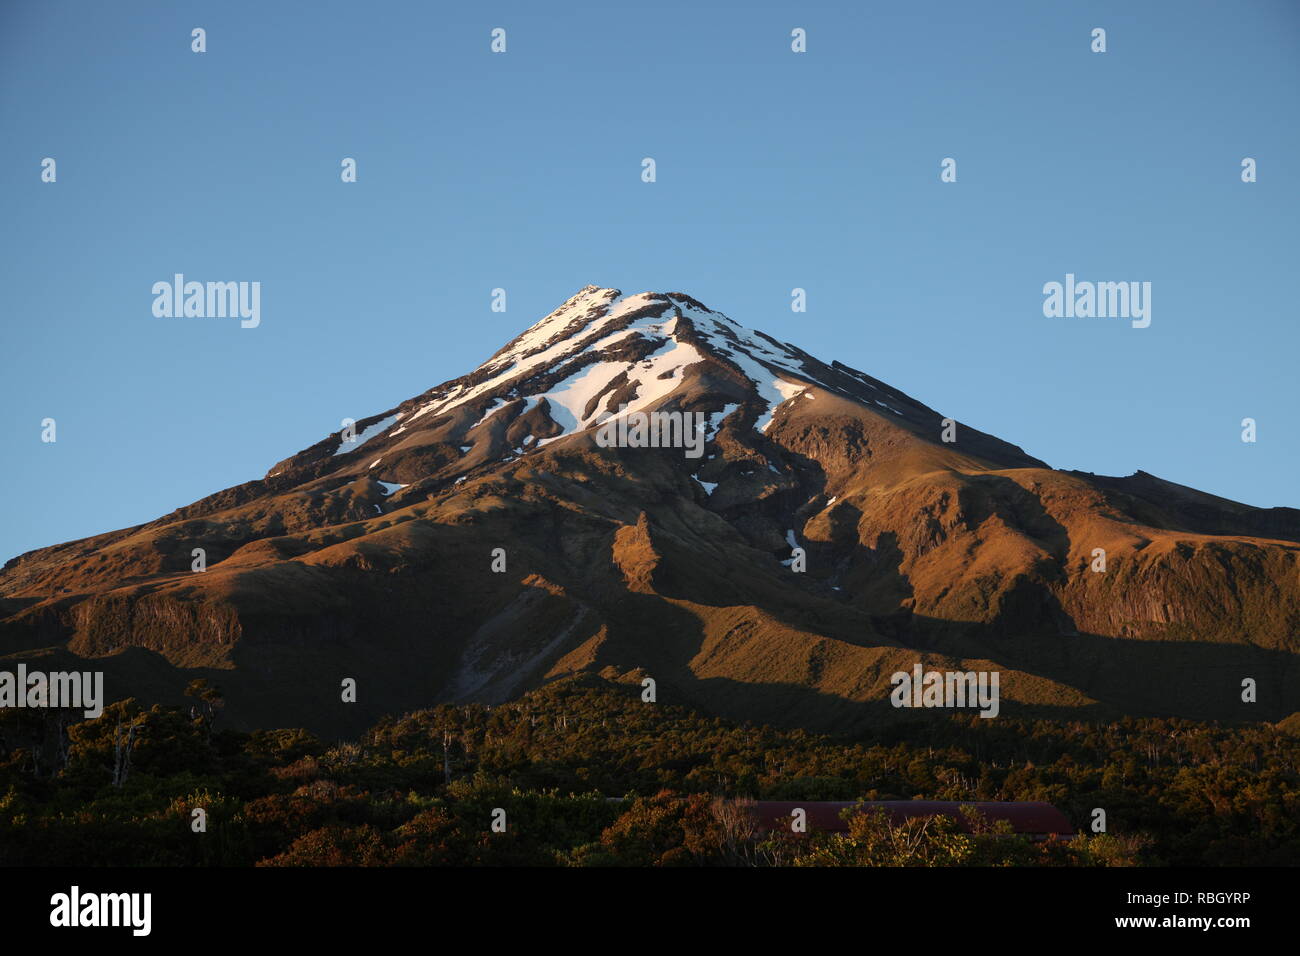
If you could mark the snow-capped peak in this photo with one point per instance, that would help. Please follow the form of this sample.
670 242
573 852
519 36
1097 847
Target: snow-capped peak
600 341
603 353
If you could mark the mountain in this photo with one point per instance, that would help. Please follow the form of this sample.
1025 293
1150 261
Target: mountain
372 555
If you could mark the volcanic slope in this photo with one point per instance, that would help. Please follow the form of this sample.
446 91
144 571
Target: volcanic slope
371 554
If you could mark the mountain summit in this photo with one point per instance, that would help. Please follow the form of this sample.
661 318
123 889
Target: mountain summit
486 536
604 354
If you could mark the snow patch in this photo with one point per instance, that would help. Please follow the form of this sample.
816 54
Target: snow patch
654 376
776 392
368 433
496 406
716 419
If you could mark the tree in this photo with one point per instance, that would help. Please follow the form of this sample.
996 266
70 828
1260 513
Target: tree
209 700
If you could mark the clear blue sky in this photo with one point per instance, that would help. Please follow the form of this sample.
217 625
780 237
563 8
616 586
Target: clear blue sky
522 170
